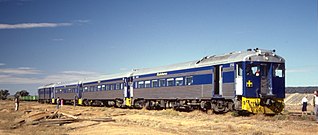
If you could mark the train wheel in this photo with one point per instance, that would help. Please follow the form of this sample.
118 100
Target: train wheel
86 103
118 103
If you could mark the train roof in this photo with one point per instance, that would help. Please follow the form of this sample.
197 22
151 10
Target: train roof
47 86
108 77
179 66
66 83
259 55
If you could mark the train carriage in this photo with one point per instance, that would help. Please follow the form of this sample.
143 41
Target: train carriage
251 80
68 92
41 94
107 90
46 93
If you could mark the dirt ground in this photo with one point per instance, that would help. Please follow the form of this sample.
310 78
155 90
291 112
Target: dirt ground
165 122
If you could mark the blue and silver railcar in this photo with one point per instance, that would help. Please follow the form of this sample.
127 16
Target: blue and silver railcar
251 80
46 93
69 92
109 90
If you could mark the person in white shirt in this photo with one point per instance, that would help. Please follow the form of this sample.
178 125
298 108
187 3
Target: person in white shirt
304 102
316 105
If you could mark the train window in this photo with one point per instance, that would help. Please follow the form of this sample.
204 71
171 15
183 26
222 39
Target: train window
99 88
252 70
278 70
107 87
111 87
162 82
179 81
170 82
117 86
85 89
147 84
141 84
155 83
121 86
239 70
103 87
189 80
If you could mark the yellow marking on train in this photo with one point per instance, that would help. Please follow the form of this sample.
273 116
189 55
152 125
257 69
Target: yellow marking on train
253 105
249 83
80 101
128 101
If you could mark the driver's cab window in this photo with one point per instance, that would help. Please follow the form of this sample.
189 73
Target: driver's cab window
253 70
239 70
278 70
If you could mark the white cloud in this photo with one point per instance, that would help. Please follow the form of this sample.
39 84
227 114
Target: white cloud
79 72
68 76
32 25
123 69
2 64
10 79
58 39
54 78
297 70
19 71
82 21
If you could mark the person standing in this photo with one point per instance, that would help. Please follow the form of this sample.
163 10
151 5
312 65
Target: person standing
316 105
58 103
304 108
62 102
17 103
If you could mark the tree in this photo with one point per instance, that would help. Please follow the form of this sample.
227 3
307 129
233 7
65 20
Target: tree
4 94
22 93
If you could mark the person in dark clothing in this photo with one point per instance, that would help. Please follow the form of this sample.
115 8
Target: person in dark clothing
75 100
304 102
58 102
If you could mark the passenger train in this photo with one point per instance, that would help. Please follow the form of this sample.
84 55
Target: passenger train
251 81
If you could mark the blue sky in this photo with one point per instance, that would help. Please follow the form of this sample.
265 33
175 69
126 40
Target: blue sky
44 41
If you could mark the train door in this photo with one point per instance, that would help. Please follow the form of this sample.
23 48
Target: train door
266 79
239 79
128 91
52 95
217 80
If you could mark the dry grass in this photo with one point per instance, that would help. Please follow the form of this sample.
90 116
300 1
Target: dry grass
159 122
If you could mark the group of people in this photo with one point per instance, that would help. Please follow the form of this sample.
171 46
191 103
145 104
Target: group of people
59 102
315 104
